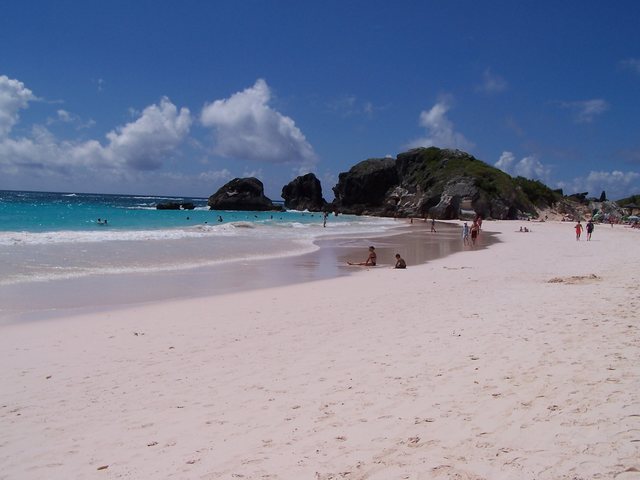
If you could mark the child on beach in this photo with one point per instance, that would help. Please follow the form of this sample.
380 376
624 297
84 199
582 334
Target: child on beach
371 259
578 228
465 233
400 263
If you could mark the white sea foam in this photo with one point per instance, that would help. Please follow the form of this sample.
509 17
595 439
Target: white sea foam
258 229
52 273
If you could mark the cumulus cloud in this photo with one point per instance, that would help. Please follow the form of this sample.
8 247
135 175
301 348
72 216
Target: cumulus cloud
616 183
528 167
246 127
585 111
492 83
142 144
440 131
505 162
14 96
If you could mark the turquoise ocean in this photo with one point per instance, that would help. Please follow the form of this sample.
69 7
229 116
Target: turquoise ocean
55 236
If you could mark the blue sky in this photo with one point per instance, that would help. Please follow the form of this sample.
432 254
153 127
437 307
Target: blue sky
177 98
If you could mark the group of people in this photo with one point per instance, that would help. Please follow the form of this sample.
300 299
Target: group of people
579 229
372 260
469 237
470 234
102 222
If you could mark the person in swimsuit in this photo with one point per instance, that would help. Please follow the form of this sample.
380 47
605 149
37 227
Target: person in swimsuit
400 263
475 228
371 259
578 228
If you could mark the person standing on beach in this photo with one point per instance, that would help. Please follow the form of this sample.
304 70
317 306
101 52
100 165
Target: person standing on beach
433 225
578 228
475 229
465 233
590 227
478 221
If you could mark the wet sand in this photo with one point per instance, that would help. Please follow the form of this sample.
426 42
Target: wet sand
52 299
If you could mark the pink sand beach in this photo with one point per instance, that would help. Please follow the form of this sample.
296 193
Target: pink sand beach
517 361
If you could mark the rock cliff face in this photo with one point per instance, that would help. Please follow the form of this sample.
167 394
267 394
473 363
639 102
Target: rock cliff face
241 194
439 183
304 193
364 188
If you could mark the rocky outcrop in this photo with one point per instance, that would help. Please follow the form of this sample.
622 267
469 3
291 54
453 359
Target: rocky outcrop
434 182
241 194
304 193
175 206
364 188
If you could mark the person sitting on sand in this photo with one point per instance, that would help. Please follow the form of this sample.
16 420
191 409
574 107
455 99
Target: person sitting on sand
400 263
371 259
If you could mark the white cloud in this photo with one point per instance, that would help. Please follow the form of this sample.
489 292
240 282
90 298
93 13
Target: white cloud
528 167
14 96
64 116
585 111
247 128
531 167
492 83
143 144
139 145
505 162
616 183
440 130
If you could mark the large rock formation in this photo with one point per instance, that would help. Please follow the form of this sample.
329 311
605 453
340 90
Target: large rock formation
304 193
175 206
365 186
442 183
241 194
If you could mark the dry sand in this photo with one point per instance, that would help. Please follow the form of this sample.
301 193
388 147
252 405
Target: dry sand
519 361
